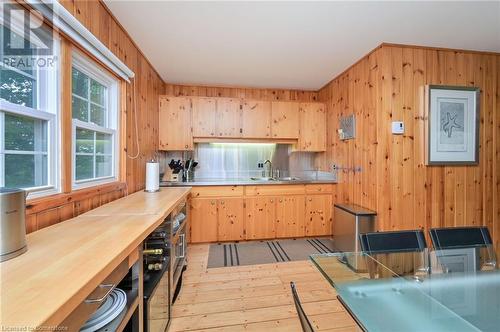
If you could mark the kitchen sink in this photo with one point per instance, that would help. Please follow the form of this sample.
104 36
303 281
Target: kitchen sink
289 178
264 179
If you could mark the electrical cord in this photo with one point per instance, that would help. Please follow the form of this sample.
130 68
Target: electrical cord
135 123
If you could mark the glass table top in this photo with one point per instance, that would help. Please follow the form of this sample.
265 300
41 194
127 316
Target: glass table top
398 292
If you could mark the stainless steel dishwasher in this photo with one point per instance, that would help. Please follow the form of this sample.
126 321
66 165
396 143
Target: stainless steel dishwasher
350 221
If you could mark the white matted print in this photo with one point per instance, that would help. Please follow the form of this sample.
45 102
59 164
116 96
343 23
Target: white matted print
452 125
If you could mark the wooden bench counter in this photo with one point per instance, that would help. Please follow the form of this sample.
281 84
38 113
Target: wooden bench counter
66 261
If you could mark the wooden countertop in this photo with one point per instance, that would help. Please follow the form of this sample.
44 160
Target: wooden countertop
67 261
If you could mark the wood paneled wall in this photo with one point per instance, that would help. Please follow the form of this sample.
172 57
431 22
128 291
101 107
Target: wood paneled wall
148 86
388 85
250 93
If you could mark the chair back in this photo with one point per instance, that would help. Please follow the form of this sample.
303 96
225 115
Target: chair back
462 249
304 321
460 237
393 242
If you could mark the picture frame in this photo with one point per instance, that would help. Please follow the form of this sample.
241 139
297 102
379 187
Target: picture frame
452 125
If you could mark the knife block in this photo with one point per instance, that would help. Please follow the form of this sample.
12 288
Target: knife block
169 176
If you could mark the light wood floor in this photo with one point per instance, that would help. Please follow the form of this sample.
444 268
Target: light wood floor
254 298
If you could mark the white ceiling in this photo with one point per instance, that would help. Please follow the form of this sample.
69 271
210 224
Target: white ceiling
300 45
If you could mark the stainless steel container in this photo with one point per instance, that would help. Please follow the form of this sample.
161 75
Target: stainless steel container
350 222
12 223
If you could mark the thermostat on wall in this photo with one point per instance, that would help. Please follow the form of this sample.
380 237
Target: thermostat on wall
398 127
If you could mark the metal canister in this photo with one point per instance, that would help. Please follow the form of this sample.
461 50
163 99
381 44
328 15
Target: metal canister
12 223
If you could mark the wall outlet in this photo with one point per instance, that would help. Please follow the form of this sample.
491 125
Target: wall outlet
398 127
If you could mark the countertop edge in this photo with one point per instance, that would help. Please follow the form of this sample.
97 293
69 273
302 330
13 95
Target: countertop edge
242 183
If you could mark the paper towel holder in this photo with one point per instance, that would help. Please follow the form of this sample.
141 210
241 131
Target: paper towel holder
152 160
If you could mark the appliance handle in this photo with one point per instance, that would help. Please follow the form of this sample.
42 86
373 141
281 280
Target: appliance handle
99 300
183 245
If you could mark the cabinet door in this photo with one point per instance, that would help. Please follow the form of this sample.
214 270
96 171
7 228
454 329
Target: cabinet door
318 215
228 117
204 117
260 218
312 118
285 119
203 214
231 219
256 119
290 215
175 124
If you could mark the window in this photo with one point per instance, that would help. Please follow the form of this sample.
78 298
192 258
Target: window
28 115
95 116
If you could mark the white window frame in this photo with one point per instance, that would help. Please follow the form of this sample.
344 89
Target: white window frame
95 72
47 90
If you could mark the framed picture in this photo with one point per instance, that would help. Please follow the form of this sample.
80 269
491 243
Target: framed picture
452 125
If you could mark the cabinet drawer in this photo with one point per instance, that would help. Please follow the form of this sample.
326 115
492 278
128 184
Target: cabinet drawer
275 190
83 311
216 191
319 188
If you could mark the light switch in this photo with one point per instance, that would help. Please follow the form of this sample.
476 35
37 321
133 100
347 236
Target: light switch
398 127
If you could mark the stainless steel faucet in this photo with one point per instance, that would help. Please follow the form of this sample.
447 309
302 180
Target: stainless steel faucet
269 172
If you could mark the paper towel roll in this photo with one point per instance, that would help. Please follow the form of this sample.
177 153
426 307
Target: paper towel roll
152 177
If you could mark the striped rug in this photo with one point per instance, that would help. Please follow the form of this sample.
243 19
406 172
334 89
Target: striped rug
263 252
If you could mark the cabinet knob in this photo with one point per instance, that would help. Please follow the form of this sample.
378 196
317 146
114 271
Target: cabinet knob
186 146
281 200
272 201
212 202
222 202
310 199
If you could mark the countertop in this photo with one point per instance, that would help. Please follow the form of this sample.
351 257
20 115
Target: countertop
66 261
241 182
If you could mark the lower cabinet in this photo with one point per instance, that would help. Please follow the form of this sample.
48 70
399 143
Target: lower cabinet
318 215
290 211
231 226
260 213
219 219
204 220
260 218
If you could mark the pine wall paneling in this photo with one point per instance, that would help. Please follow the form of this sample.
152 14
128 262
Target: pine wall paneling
239 92
388 85
148 86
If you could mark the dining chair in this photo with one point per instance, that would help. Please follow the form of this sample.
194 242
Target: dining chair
463 249
304 321
403 252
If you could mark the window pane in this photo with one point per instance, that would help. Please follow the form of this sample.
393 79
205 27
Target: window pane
17 88
25 134
18 41
103 166
24 171
104 143
97 115
97 92
84 167
84 141
80 83
79 109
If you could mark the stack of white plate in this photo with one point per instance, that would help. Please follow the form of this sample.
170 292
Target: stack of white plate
109 310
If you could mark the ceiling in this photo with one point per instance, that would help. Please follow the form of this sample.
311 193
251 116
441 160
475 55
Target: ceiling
296 45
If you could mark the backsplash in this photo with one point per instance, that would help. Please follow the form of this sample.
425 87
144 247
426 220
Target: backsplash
240 161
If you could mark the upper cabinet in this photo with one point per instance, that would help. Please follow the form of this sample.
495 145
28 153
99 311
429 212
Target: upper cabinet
228 118
175 124
255 119
285 119
312 119
184 120
204 117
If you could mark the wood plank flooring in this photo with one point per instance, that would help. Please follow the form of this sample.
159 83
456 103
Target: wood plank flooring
254 298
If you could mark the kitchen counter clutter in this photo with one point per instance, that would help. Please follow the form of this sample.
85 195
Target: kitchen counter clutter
67 262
